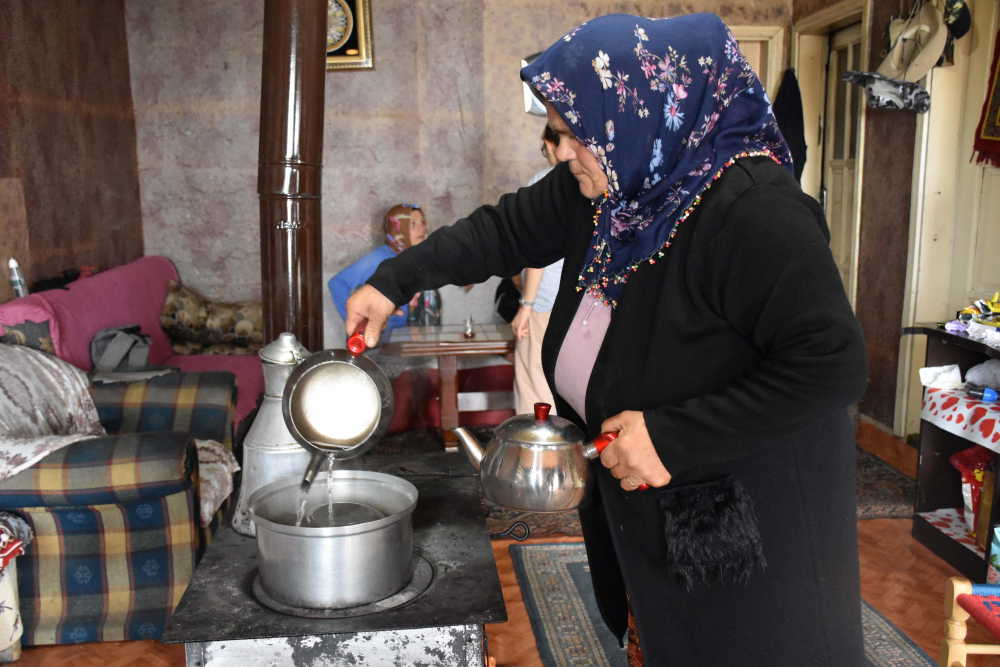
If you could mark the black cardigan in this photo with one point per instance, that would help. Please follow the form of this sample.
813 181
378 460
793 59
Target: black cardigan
741 333
738 344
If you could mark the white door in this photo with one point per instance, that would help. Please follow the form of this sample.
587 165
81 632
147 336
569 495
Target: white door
976 258
840 151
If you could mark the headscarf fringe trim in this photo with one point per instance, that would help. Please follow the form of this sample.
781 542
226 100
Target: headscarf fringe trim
596 289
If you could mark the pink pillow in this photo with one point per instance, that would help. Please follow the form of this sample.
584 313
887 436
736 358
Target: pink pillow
130 294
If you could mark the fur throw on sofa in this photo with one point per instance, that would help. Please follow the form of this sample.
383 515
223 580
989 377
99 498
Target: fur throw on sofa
45 405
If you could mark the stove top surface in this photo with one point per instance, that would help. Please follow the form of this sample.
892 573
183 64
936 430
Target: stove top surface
449 531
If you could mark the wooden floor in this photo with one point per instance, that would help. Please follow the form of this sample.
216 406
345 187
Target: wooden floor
113 654
900 577
905 581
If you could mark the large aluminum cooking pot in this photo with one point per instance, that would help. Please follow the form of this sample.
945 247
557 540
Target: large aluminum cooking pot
337 404
335 567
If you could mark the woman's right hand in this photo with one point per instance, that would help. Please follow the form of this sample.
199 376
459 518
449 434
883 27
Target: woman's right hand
519 325
370 308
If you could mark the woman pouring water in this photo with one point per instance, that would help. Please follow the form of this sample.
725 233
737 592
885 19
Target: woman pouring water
700 314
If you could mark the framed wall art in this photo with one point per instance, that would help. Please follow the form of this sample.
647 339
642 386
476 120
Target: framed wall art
349 35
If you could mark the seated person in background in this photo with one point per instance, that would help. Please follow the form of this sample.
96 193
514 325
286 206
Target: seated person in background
404 226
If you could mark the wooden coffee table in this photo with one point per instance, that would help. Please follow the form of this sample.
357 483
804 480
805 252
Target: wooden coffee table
448 342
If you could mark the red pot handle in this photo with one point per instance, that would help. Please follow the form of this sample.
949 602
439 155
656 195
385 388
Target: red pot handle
600 443
356 343
542 411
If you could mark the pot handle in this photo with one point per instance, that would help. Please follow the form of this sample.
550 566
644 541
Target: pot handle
356 343
593 450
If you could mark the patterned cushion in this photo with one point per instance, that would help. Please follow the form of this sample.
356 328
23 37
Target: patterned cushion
201 404
184 313
115 469
35 335
189 318
106 572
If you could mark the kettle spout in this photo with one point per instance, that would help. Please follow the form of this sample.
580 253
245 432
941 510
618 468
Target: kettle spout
471 445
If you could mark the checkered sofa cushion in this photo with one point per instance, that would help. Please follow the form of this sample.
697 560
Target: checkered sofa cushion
201 404
116 518
117 537
114 469
106 572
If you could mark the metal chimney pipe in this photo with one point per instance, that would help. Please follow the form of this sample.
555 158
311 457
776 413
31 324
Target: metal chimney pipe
289 175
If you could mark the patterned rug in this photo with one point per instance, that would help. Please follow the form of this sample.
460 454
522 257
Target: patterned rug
883 491
555 584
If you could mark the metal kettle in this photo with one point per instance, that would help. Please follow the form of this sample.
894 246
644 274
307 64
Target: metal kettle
535 463
270 451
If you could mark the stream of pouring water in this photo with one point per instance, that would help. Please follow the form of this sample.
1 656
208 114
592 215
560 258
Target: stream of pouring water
329 488
300 512
300 509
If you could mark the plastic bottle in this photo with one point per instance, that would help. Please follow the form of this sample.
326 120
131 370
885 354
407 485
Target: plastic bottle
984 394
17 279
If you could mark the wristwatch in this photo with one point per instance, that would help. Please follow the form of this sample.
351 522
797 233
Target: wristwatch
522 302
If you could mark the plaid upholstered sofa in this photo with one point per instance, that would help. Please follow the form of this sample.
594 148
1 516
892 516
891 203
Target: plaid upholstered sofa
116 518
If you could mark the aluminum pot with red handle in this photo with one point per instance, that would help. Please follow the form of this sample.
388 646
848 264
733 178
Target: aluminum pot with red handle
535 463
337 404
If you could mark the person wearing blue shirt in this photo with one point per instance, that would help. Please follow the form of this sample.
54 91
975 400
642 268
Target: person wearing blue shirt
404 226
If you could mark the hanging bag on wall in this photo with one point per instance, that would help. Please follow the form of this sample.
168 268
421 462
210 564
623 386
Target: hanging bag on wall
120 349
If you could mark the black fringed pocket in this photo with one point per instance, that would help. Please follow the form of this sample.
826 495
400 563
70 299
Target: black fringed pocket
711 531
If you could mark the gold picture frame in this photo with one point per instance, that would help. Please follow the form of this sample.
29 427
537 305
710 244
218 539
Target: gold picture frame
349 35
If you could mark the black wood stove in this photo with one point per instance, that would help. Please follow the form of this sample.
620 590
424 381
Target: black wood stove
221 622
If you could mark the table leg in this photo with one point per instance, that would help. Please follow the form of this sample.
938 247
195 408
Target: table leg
448 377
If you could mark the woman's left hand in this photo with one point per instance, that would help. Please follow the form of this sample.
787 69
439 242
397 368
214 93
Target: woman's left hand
519 325
631 457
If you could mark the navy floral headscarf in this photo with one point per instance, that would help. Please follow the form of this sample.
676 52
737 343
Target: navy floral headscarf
665 105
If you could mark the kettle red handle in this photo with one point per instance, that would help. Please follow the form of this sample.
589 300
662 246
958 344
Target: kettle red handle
542 411
356 343
603 440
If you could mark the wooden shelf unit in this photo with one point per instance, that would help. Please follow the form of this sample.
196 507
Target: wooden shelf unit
939 484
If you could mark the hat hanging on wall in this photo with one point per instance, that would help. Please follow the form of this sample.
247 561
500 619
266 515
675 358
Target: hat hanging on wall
957 17
917 44
881 92
532 104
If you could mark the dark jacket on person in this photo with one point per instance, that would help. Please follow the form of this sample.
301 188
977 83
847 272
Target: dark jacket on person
741 349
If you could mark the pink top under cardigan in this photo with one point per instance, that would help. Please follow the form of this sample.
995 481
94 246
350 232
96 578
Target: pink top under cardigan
579 352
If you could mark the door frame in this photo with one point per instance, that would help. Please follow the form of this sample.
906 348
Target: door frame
809 58
851 35
775 38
